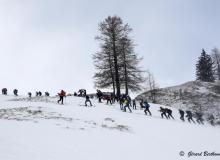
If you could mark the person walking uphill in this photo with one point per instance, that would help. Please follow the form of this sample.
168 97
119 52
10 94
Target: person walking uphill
88 100
61 95
134 104
169 113
109 99
127 103
99 95
189 116
163 112
146 106
121 101
15 92
182 115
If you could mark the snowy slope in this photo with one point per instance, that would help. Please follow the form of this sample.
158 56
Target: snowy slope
40 129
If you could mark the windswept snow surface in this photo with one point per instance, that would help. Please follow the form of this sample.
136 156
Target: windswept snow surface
41 129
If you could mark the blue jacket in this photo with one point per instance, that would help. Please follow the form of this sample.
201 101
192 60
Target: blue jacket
146 105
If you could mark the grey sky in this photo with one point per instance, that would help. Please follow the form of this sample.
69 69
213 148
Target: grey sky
47 44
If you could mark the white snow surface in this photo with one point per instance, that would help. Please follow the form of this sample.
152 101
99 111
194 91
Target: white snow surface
41 129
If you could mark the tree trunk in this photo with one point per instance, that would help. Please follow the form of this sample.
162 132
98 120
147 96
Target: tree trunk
118 92
125 69
112 75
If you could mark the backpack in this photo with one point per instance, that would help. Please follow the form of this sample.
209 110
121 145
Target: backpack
126 102
146 105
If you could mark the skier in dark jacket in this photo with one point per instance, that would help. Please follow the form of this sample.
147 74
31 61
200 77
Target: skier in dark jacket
88 100
15 92
82 92
40 93
189 116
47 94
129 100
75 94
134 104
211 119
147 108
109 99
121 102
62 94
199 118
169 113
99 95
182 114
29 94
4 91
163 112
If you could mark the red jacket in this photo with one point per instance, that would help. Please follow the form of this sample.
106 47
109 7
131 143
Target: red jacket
62 94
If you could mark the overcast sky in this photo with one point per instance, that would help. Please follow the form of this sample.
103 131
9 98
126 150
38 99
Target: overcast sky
48 44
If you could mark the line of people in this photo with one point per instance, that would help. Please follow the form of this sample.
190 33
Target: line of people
109 97
15 92
62 94
166 112
125 103
197 115
38 94
5 91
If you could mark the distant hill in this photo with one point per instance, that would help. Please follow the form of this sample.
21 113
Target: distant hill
193 95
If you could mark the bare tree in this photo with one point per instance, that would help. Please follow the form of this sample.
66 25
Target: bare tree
151 85
216 60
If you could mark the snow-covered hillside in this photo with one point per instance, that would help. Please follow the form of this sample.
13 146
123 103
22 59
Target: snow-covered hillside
41 129
194 95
